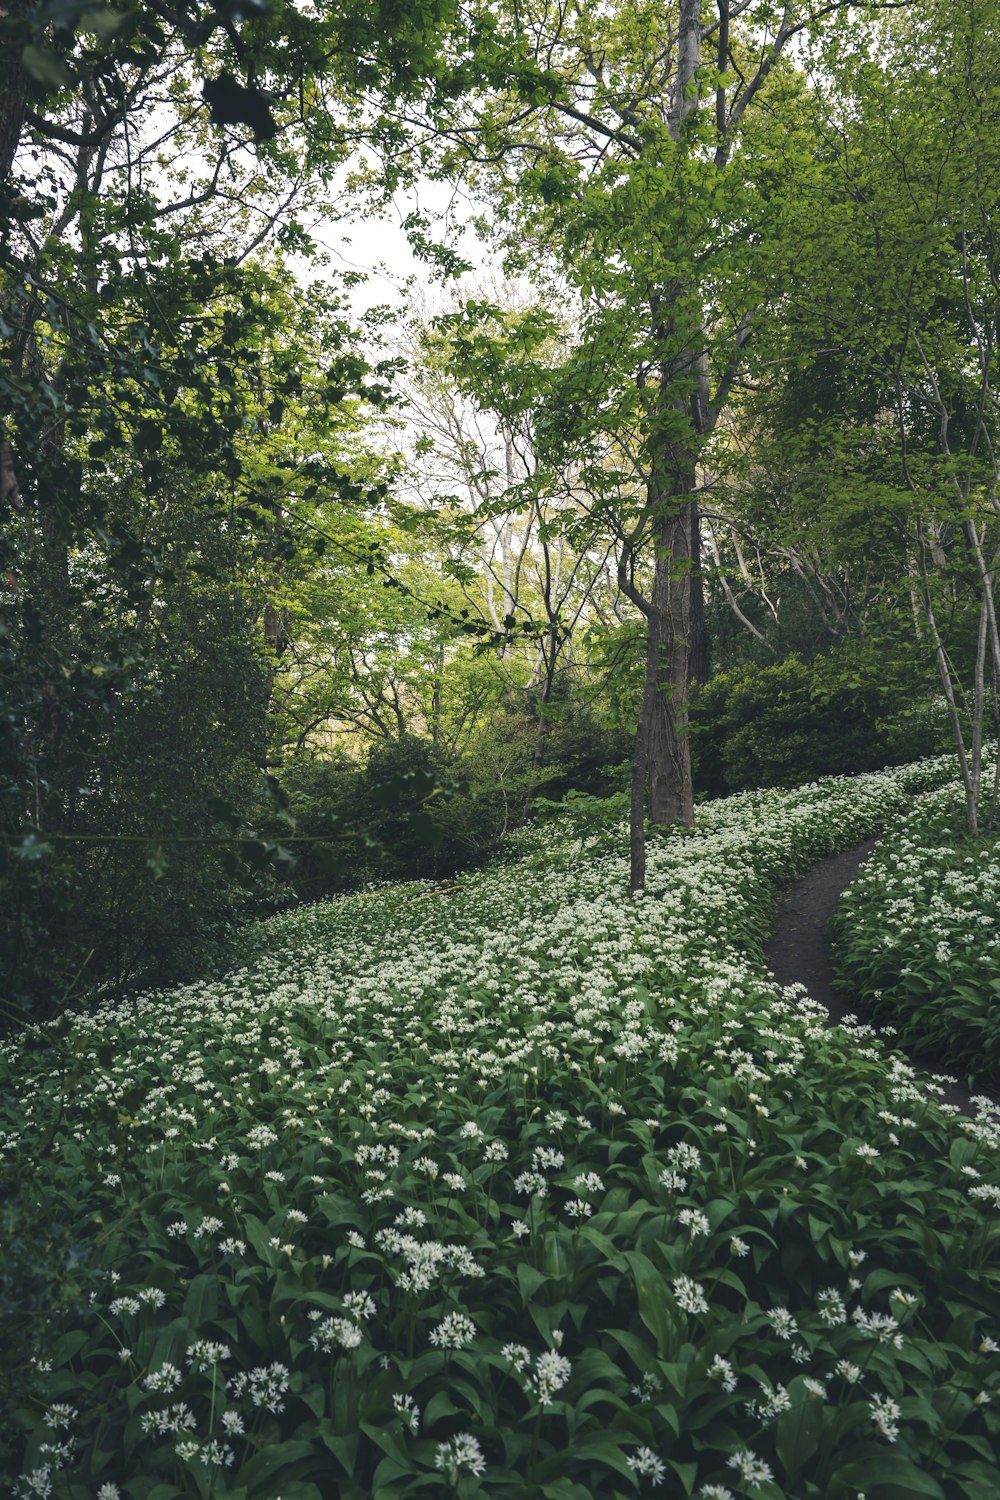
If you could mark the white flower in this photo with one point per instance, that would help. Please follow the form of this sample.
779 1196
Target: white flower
60 1414
831 1307
407 1409
721 1370
644 1461
552 1370
885 1414
166 1378
461 1452
738 1246
453 1332
879 1326
359 1304
335 1333
753 1470
782 1322
695 1222
690 1295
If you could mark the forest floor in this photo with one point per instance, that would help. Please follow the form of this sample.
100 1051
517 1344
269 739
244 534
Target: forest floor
798 952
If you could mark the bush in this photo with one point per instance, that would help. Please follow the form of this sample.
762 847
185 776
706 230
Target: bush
785 724
413 811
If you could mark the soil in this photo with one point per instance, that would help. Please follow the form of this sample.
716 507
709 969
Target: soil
798 952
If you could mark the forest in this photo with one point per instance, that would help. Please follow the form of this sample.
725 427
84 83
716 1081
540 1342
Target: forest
420 685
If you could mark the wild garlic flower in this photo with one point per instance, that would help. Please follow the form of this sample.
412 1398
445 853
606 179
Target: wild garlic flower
60 1414
885 1414
203 1354
458 1453
783 1322
721 1370
645 1462
753 1470
552 1370
774 1403
695 1222
879 1326
265 1385
453 1332
407 1410
359 1304
166 1378
690 1295
336 1333
831 1307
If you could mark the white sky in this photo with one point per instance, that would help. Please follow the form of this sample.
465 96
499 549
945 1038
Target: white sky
379 248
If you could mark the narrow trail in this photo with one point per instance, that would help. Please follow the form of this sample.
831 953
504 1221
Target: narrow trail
798 952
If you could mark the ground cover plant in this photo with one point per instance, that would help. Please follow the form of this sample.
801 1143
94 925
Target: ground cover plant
521 1188
918 938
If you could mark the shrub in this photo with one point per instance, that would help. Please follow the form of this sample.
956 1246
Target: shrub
790 722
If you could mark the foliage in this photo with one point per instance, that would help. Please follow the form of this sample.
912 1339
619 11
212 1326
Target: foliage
531 1184
412 810
917 939
158 167
128 787
844 712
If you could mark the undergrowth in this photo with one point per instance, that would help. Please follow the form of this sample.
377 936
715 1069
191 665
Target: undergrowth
918 938
521 1188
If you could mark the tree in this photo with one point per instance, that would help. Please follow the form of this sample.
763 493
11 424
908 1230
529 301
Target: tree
633 147
151 166
520 530
907 323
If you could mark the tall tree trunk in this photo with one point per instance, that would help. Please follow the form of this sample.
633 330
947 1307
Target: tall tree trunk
699 665
671 795
13 84
550 657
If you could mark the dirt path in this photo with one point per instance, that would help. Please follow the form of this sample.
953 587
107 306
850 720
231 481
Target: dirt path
798 952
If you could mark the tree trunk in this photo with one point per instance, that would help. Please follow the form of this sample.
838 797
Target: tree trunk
550 656
671 795
13 85
699 665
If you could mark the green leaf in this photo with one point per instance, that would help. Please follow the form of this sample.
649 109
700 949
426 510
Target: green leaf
46 67
653 1300
798 1434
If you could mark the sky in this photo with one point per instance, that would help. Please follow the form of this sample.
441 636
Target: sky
379 248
